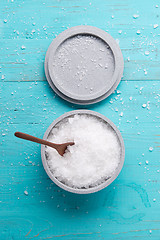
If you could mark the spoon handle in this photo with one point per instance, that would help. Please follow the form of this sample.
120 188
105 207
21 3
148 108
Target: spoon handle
35 139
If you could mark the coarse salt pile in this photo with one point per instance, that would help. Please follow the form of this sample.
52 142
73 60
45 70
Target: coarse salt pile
92 159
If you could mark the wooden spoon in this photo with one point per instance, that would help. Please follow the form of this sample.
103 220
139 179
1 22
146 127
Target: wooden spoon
61 148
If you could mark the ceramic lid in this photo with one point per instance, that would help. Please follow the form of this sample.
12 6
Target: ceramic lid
84 65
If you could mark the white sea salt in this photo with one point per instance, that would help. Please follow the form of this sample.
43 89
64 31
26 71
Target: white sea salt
3 77
155 26
144 105
23 47
146 53
150 149
26 192
92 159
135 16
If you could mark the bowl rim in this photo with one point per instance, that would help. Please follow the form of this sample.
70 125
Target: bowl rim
100 186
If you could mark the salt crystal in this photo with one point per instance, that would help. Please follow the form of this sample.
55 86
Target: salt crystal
26 193
155 26
146 53
154 199
138 32
121 114
156 6
23 47
118 92
144 105
130 98
87 162
3 77
147 162
135 16
5 20
150 149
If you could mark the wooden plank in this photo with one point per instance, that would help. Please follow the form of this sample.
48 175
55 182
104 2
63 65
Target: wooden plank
28 64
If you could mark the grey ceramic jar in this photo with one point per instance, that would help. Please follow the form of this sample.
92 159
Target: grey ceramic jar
92 189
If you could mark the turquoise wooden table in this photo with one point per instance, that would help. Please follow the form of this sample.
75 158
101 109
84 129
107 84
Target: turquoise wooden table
32 206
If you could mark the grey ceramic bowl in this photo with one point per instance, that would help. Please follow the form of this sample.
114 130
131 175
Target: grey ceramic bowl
100 186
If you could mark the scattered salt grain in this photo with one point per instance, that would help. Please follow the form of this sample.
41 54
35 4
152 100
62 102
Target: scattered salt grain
87 163
146 53
26 193
135 16
147 162
154 199
144 105
118 92
5 20
138 32
150 149
23 47
155 26
3 77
